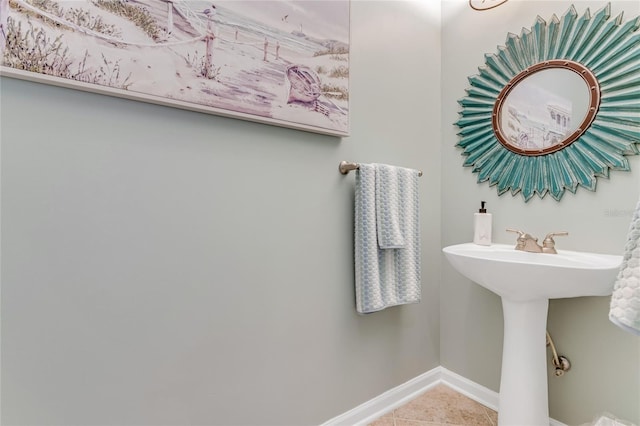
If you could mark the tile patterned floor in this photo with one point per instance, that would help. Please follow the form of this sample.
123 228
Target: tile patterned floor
440 405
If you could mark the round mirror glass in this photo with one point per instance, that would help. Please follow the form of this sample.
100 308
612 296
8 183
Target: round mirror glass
545 108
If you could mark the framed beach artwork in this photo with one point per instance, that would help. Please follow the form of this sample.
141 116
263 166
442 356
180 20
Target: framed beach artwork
278 62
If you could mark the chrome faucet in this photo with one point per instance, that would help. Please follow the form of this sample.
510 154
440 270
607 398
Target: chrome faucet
529 243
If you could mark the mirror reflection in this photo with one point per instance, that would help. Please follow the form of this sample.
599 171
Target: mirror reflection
543 110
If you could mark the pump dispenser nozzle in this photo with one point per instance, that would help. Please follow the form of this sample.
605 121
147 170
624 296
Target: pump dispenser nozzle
482 209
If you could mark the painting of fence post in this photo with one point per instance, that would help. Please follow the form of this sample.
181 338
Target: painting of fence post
277 62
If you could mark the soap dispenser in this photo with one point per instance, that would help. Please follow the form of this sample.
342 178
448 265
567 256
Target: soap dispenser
482 226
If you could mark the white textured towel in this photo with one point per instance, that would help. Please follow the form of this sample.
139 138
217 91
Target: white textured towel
625 300
391 183
386 277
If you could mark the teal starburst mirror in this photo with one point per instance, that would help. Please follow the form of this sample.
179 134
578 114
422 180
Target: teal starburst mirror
555 108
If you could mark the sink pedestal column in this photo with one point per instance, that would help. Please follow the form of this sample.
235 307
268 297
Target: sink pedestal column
523 380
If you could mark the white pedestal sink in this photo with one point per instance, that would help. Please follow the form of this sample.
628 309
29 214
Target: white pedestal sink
525 282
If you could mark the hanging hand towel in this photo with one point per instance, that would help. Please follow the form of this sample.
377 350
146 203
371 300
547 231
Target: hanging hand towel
386 277
625 300
390 184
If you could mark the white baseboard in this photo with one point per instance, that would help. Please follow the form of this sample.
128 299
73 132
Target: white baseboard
394 398
390 400
478 393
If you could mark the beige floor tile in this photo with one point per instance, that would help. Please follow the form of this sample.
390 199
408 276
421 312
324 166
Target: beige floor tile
403 422
441 406
472 412
493 415
433 406
386 420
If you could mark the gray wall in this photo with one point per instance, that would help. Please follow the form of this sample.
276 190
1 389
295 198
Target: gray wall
161 266
164 266
606 361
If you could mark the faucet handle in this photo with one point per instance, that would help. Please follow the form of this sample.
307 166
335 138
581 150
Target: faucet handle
549 244
520 233
522 237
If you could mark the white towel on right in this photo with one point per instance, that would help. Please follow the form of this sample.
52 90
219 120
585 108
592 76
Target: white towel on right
625 300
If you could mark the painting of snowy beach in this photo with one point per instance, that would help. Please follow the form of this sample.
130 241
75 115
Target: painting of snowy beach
279 62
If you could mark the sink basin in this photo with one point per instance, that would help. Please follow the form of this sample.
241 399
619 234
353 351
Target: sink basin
519 275
526 281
